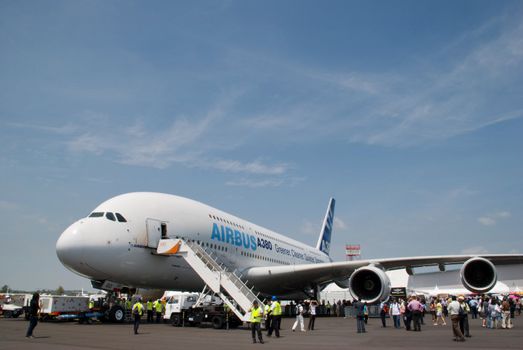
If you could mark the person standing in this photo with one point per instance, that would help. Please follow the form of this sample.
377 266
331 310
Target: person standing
454 311
299 317
34 308
137 314
256 317
268 317
505 313
464 317
158 309
395 312
473 304
365 312
440 314
312 317
276 317
360 316
384 310
149 311
415 307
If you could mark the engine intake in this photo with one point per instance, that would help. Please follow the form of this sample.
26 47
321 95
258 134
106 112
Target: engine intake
478 275
370 284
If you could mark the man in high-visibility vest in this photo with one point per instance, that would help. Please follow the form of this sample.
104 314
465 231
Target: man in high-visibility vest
268 317
256 317
276 317
149 311
137 314
158 308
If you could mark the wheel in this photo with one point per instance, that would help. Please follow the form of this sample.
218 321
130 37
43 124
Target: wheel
217 322
176 320
8 314
116 314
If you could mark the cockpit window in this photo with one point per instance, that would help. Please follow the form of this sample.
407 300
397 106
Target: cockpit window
110 216
120 217
96 214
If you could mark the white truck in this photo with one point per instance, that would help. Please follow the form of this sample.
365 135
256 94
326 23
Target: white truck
181 310
13 305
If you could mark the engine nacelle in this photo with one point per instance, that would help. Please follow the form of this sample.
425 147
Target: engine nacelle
343 283
478 275
370 284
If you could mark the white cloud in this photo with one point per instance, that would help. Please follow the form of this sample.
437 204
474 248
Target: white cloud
64 129
309 229
339 224
7 205
255 183
486 221
475 250
492 219
451 93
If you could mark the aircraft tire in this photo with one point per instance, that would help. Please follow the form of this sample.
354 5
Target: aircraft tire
117 314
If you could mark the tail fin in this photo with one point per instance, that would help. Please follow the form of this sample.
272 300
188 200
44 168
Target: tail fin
324 241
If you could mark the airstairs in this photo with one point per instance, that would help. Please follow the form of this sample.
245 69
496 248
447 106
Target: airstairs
228 285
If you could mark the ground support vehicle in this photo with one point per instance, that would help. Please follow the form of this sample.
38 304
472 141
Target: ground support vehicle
188 309
11 310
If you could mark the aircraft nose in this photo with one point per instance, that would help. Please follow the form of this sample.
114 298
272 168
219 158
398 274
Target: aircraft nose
69 247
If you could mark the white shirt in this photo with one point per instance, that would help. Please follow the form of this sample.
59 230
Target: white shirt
395 309
299 309
453 308
313 309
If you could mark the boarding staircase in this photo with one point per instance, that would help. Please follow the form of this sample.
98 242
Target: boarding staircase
228 285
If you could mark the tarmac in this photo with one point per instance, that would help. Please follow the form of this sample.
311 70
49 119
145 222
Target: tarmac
329 333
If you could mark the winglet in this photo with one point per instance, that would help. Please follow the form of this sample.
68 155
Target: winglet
324 241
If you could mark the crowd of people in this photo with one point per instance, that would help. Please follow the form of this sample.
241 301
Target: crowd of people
412 313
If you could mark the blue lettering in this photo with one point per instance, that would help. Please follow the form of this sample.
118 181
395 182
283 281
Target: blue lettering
237 238
230 238
253 243
246 240
223 233
215 232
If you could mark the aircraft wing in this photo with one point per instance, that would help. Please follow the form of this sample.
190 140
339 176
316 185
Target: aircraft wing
290 277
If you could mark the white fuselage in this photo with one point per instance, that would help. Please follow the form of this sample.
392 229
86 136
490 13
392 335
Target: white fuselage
123 250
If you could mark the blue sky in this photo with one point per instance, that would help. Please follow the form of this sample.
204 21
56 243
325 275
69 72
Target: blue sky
409 113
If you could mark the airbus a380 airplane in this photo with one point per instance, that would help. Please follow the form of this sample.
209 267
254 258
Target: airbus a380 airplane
116 245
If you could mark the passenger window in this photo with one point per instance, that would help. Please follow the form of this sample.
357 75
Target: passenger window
96 215
120 217
110 216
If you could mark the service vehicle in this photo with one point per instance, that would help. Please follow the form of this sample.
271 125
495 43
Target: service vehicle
12 305
191 309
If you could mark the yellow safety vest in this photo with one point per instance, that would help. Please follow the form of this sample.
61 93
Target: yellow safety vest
277 308
256 315
158 307
138 307
149 306
267 309
91 304
128 304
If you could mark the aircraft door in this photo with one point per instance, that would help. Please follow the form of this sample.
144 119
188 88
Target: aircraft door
156 230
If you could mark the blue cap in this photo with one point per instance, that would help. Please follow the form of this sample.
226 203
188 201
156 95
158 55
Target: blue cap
274 297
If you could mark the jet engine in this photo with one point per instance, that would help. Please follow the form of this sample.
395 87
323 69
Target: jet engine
370 284
478 275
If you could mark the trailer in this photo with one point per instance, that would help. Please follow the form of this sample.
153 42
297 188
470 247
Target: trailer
62 307
189 309
105 309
